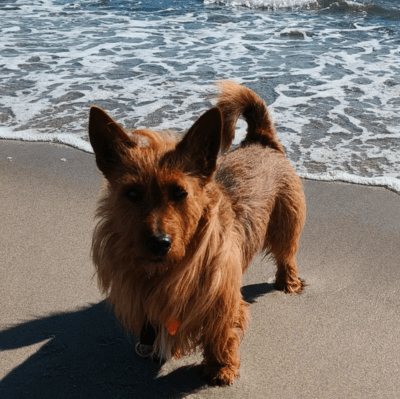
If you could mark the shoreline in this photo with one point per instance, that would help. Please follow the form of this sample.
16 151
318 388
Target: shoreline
338 339
70 141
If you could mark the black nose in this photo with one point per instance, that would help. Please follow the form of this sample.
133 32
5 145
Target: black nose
159 245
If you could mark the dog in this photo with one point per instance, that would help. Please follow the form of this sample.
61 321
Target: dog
178 225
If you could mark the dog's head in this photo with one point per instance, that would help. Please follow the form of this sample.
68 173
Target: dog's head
157 188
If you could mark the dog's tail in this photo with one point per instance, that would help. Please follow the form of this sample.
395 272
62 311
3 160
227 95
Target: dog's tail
236 100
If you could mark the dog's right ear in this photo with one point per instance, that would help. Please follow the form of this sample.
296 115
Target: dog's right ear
108 139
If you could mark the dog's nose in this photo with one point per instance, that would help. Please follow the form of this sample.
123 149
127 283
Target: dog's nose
159 245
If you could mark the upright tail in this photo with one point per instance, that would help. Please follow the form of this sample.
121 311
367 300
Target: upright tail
236 100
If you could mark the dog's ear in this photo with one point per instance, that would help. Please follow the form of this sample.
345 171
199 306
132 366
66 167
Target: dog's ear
108 139
200 146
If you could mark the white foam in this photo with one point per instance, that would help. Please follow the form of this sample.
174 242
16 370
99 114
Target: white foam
60 138
273 4
387 182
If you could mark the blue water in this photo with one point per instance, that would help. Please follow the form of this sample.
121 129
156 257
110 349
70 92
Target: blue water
328 69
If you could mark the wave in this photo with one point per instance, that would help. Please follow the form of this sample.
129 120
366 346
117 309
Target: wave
383 8
264 4
69 140
374 9
389 183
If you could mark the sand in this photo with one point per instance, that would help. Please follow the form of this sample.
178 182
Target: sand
339 339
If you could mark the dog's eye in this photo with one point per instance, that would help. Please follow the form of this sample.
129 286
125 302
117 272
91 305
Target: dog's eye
133 194
178 193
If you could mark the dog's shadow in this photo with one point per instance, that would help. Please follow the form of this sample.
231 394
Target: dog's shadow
86 355
251 292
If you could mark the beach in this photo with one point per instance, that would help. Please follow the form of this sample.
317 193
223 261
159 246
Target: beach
339 339
329 72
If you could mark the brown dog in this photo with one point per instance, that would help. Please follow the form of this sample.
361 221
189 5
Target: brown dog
179 226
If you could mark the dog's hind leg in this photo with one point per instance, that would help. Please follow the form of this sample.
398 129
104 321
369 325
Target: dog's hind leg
284 229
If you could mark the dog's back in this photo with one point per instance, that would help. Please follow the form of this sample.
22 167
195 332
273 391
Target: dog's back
265 192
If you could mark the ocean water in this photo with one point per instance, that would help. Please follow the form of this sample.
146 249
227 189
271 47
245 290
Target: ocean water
328 69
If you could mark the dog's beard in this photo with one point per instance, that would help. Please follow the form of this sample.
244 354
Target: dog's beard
157 266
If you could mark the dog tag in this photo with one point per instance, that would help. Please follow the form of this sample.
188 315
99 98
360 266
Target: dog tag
173 327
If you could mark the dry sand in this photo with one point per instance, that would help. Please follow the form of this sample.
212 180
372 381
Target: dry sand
339 339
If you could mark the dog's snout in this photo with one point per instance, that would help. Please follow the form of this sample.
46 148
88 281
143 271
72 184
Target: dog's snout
159 245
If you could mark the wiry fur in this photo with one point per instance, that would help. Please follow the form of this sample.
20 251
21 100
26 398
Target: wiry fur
247 201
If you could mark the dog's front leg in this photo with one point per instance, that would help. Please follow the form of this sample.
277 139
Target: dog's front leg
221 358
221 353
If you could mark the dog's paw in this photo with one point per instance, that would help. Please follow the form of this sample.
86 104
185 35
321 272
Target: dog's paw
291 287
220 376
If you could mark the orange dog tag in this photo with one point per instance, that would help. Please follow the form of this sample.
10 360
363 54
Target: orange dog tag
173 327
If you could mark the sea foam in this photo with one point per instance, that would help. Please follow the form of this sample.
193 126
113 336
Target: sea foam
330 79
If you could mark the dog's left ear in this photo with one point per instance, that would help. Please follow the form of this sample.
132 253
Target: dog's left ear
201 144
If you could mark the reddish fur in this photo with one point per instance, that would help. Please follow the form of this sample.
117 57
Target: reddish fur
247 201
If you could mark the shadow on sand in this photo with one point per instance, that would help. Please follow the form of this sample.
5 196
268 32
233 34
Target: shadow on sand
88 356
